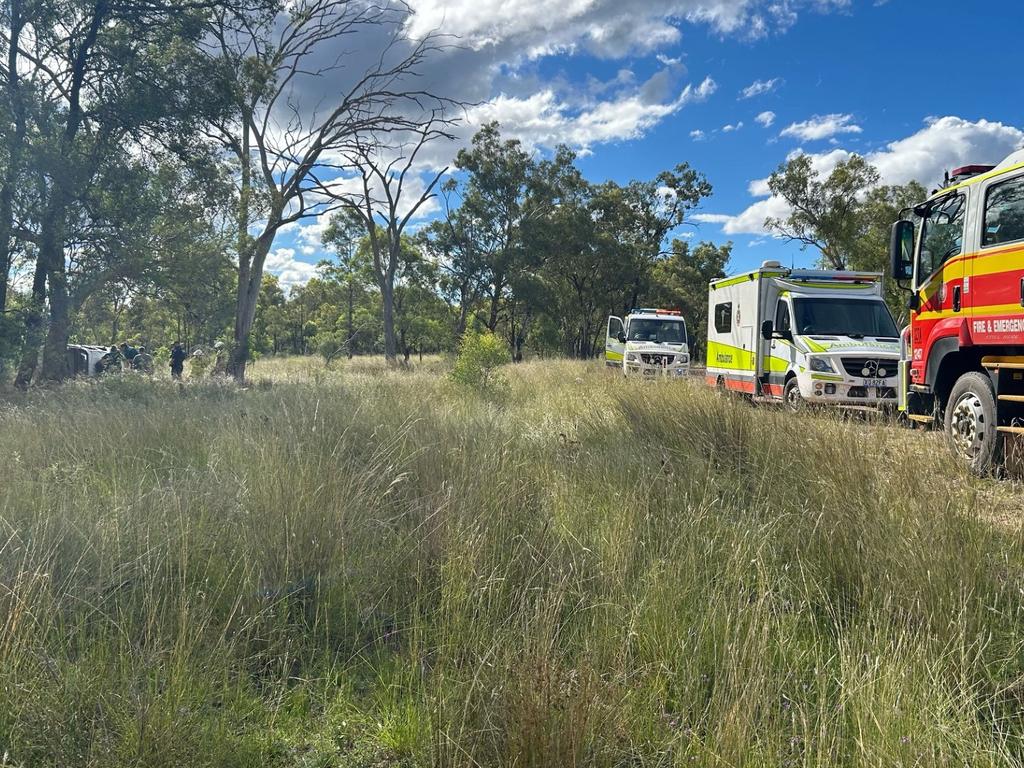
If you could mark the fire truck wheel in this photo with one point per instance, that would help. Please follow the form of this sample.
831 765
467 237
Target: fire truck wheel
791 396
971 423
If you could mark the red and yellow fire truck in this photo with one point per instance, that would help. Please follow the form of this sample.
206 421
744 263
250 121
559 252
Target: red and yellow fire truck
962 358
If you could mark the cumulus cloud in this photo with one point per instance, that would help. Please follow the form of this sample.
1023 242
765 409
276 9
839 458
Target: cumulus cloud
732 127
698 135
544 120
610 28
822 127
942 144
760 87
289 270
766 118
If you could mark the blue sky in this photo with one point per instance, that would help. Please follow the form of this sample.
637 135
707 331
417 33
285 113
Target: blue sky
733 87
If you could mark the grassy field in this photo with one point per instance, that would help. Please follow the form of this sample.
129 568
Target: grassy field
370 568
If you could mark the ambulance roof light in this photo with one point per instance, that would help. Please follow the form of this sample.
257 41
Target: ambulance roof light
654 311
967 171
771 264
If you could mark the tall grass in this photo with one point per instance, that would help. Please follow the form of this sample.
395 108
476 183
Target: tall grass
367 568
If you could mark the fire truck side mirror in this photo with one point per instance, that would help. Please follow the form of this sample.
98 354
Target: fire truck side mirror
901 250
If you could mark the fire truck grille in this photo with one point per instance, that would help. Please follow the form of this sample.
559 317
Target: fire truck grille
657 359
870 367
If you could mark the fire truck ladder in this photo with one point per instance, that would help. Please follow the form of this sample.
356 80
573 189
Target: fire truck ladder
1008 377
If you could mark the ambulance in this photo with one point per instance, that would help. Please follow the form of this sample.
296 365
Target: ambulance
802 336
959 255
648 342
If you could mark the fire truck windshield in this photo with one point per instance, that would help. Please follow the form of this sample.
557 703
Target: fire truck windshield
843 317
942 235
658 331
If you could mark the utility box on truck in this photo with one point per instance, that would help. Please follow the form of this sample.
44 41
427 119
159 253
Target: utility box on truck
648 342
803 336
961 259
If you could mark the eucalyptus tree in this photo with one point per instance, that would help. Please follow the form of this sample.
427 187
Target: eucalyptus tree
312 82
106 80
390 191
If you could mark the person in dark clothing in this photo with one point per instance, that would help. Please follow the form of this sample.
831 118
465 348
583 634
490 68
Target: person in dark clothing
177 360
111 361
143 361
128 352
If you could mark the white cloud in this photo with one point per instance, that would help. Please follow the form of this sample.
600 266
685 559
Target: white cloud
698 135
766 118
943 144
822 127
711 218
289 270
731 128
544 120
610 28
760 87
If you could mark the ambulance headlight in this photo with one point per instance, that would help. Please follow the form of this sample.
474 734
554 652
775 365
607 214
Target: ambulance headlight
821 365
632 357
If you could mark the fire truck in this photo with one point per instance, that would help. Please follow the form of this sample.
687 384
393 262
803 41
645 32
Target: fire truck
960 257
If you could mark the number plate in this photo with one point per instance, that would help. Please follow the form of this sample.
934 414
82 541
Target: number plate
874 382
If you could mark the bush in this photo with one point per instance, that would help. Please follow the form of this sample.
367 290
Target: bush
479 355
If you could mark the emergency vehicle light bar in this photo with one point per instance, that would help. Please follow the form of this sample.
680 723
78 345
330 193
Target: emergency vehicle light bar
654 311
967 171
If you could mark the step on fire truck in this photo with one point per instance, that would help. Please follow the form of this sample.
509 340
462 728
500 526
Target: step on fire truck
962 361
649 342
803 336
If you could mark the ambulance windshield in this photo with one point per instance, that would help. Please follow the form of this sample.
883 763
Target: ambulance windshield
843 317
656 331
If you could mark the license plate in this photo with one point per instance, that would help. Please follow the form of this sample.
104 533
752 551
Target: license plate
874 382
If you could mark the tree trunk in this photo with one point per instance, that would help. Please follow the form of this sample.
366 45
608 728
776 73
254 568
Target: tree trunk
250 277
351 333
499 286
55 350
15 143
34 315
387 292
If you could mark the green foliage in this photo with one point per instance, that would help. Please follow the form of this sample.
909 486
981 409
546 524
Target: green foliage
846 216
480 355
680 281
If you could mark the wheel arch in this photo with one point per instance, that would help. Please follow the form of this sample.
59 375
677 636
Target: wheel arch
947 362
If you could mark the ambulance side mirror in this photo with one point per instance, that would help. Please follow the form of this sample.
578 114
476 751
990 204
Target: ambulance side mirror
621 337
901 250
767 329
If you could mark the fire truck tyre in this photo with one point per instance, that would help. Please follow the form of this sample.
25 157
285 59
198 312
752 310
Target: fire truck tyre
791 396
971 423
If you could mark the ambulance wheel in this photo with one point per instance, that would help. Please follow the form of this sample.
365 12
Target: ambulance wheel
791 396
971 423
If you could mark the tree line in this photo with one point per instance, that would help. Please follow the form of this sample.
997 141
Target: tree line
152 152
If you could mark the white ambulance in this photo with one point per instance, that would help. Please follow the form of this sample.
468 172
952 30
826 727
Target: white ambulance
649 342
803 336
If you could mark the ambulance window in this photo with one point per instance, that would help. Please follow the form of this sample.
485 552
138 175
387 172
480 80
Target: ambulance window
723 317
942 234
782 321
1004 213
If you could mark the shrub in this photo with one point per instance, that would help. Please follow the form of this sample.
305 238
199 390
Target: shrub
479 355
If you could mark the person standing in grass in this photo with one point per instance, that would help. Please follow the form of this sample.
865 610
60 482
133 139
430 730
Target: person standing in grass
177 360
